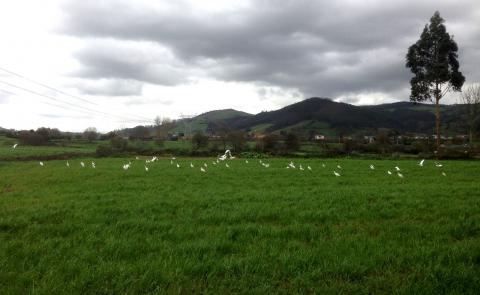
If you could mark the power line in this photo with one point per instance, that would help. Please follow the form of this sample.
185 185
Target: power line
57 90
46 86
85 109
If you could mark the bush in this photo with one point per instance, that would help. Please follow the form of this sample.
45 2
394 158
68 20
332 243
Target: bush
31 138
199 141
104 151
119 143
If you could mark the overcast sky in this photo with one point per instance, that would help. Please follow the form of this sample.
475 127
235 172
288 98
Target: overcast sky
123 62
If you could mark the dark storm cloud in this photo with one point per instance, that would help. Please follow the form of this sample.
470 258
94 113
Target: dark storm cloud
322 48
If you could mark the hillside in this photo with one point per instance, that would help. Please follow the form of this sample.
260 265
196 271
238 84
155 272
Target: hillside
324 116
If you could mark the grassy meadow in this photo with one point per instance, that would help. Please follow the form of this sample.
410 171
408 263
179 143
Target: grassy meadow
243 229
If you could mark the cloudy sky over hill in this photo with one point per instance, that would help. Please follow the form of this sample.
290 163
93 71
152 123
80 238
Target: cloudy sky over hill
124 62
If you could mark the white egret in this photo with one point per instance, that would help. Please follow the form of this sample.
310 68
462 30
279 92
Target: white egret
372 167
444 174
126 166
82 164
226 165
389 172
173 158
68 164
400 174
421 163
397 168
309 168
15 146
323 165
191 165
438 164
246 161
205 164
137 158
93 165
339 167
336 173
178 165
41 163
146 168
300 167
291 165
201 169
171 162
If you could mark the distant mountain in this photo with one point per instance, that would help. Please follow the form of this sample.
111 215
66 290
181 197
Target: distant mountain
209 122
324 116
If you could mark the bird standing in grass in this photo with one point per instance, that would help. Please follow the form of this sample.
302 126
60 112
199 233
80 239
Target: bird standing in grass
372 167
336 173
444 174
68 164
146 168
191 165
226 165
309 168
389 172
41 164
421 163
82 164
178 165
93 165
400 174
397 168
15 146
201 169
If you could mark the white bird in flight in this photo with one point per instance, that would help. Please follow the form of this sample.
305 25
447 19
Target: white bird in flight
336 173
421 163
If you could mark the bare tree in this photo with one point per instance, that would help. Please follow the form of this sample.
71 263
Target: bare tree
90 134
471 99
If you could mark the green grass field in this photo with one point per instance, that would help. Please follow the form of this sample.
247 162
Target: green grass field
244 229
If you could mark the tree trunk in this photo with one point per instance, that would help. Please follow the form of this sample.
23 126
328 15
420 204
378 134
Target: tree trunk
437 120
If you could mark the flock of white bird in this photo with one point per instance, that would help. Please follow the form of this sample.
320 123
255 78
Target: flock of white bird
228 156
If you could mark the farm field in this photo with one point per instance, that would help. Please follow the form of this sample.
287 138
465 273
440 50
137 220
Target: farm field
243 229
